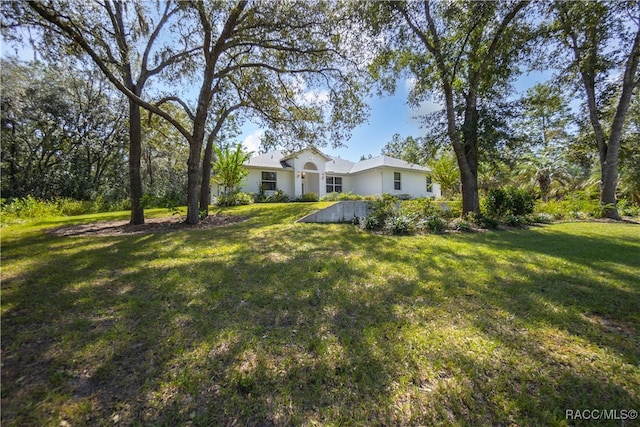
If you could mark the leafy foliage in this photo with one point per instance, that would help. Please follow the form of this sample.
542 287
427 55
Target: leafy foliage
63 134
229 168
309 197
234 199
502 202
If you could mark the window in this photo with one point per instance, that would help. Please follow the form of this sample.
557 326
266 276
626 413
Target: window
334 183
268 181
396 181
429 185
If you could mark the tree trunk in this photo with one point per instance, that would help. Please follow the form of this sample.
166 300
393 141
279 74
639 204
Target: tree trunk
135 154
193 185
470 199
205 187
467 154
609 183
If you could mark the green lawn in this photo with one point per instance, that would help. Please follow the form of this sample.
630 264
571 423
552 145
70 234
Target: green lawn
271 322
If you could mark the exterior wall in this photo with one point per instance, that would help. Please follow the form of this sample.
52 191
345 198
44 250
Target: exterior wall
284 180
381 180
413 183
368 183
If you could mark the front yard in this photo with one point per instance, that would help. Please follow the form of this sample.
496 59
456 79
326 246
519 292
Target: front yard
271 322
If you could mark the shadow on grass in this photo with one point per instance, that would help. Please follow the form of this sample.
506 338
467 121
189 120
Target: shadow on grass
301 324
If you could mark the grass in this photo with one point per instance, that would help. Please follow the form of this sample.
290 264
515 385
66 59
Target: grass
271 322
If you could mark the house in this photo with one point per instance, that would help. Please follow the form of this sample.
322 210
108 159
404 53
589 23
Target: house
309 170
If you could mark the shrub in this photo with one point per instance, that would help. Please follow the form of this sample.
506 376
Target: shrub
309 197
515 220
398 224
339 197
627 208
369 223
432 224
482 221
450 208
541 218
501 202
278 197
234 199
28 208
578 205
420 208
460 224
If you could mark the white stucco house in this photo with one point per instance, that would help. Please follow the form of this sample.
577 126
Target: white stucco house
310 170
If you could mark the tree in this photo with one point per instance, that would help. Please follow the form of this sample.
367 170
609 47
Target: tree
589 31
164 159
545 115
229 168
63 134
409 149
444 170
465 52
121 39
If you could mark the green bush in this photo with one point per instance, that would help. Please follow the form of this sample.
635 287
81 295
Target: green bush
419 208
234 199
515 220
452 208
460 224
309 197
482 221
28 208
369 223
541 218
432 224
278 197
501 202
398 224
627 208
578 205
339 197
72 207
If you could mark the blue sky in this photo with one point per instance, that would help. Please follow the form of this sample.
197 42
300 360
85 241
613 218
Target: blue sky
388 115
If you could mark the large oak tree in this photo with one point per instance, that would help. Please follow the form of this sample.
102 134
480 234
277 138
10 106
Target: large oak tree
462 54
603 39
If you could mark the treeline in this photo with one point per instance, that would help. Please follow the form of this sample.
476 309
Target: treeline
65 136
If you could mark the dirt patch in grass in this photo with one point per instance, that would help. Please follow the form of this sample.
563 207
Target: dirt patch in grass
152 225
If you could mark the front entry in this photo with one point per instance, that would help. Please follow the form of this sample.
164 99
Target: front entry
310 179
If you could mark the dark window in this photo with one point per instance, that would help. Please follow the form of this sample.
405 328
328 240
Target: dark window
396 181
334 184
429 185
269 181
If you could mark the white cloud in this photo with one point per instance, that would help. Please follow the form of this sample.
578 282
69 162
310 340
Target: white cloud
252 141
409 83
316 96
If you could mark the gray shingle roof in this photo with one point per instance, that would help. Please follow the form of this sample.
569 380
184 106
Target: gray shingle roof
272 160
391 162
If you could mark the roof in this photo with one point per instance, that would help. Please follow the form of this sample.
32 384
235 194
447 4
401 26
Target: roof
338 165
278 160
387 161
272 160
